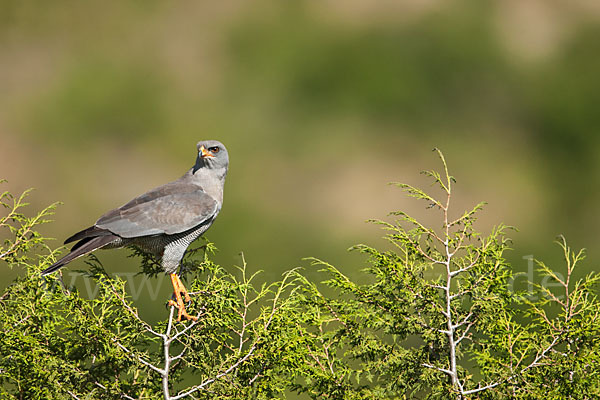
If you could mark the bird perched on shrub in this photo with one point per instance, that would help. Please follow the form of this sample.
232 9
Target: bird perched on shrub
163 221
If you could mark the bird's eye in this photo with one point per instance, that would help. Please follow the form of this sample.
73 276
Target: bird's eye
214 149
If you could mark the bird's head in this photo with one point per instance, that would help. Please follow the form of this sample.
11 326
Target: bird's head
212 154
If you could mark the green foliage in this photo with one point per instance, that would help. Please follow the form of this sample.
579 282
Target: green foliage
437 320
21 227
57 344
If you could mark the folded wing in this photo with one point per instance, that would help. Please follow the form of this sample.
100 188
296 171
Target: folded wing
169 209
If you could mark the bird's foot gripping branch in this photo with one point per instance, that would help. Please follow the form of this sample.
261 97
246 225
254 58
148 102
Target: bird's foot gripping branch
180 294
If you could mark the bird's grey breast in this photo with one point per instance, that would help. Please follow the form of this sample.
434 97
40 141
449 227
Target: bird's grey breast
211 181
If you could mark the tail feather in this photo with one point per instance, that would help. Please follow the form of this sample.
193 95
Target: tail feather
85 246
92 231
81 243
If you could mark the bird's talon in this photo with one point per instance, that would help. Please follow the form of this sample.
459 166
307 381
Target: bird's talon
187 297
172 303
178 291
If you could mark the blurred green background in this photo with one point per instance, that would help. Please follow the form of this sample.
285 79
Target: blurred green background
320 103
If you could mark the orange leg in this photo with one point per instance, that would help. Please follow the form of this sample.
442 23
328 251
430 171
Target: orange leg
179 289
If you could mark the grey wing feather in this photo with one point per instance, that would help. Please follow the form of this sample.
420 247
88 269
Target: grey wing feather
172 208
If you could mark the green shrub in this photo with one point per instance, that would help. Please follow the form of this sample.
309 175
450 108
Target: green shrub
438 319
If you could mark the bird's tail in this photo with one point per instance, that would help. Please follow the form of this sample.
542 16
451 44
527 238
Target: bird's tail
81 248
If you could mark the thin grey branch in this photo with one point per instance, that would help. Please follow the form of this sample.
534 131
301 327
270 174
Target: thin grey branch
444 370
216 377
140 359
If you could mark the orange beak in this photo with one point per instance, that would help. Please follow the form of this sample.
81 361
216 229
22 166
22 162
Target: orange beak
204 152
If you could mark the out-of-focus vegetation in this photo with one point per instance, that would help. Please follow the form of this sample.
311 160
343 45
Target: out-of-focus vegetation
320 105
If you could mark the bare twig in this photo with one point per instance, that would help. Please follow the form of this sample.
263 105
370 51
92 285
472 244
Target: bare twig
140 359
